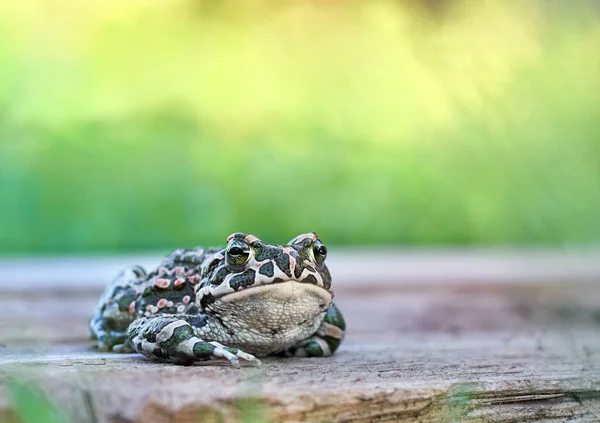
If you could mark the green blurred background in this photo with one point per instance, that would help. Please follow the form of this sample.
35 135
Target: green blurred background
142 125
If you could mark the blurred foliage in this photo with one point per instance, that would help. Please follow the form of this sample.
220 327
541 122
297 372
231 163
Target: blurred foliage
252 410
148 124
458 402
32 406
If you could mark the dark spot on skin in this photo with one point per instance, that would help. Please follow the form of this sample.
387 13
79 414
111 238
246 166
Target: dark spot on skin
274 331
313 349
197 321
326 276
298 270
263 253
220 274
124 298
158 353
334 317
277 280
267 269
206 300
151 336
180 334
212 265
192 310
333 343
147 291
283 262
310 279
243 280
138 271
203 350
305 242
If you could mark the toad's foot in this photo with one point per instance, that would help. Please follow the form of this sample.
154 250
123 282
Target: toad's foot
325 341
168 338
109 340
233 355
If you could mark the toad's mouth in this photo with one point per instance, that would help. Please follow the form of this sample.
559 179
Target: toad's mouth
288 292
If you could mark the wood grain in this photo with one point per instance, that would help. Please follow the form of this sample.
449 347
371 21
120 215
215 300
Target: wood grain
473 351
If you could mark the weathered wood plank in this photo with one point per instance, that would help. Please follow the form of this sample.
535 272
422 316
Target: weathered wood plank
415 352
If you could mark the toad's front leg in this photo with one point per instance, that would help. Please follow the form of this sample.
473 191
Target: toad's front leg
326 339
169 338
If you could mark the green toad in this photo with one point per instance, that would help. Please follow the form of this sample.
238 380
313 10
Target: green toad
248 299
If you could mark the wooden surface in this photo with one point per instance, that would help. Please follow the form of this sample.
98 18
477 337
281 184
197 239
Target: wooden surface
461 344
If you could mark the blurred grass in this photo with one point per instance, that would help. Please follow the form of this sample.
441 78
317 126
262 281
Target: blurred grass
140 125
30 405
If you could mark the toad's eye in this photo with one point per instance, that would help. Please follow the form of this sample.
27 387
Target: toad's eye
320 252
238 252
